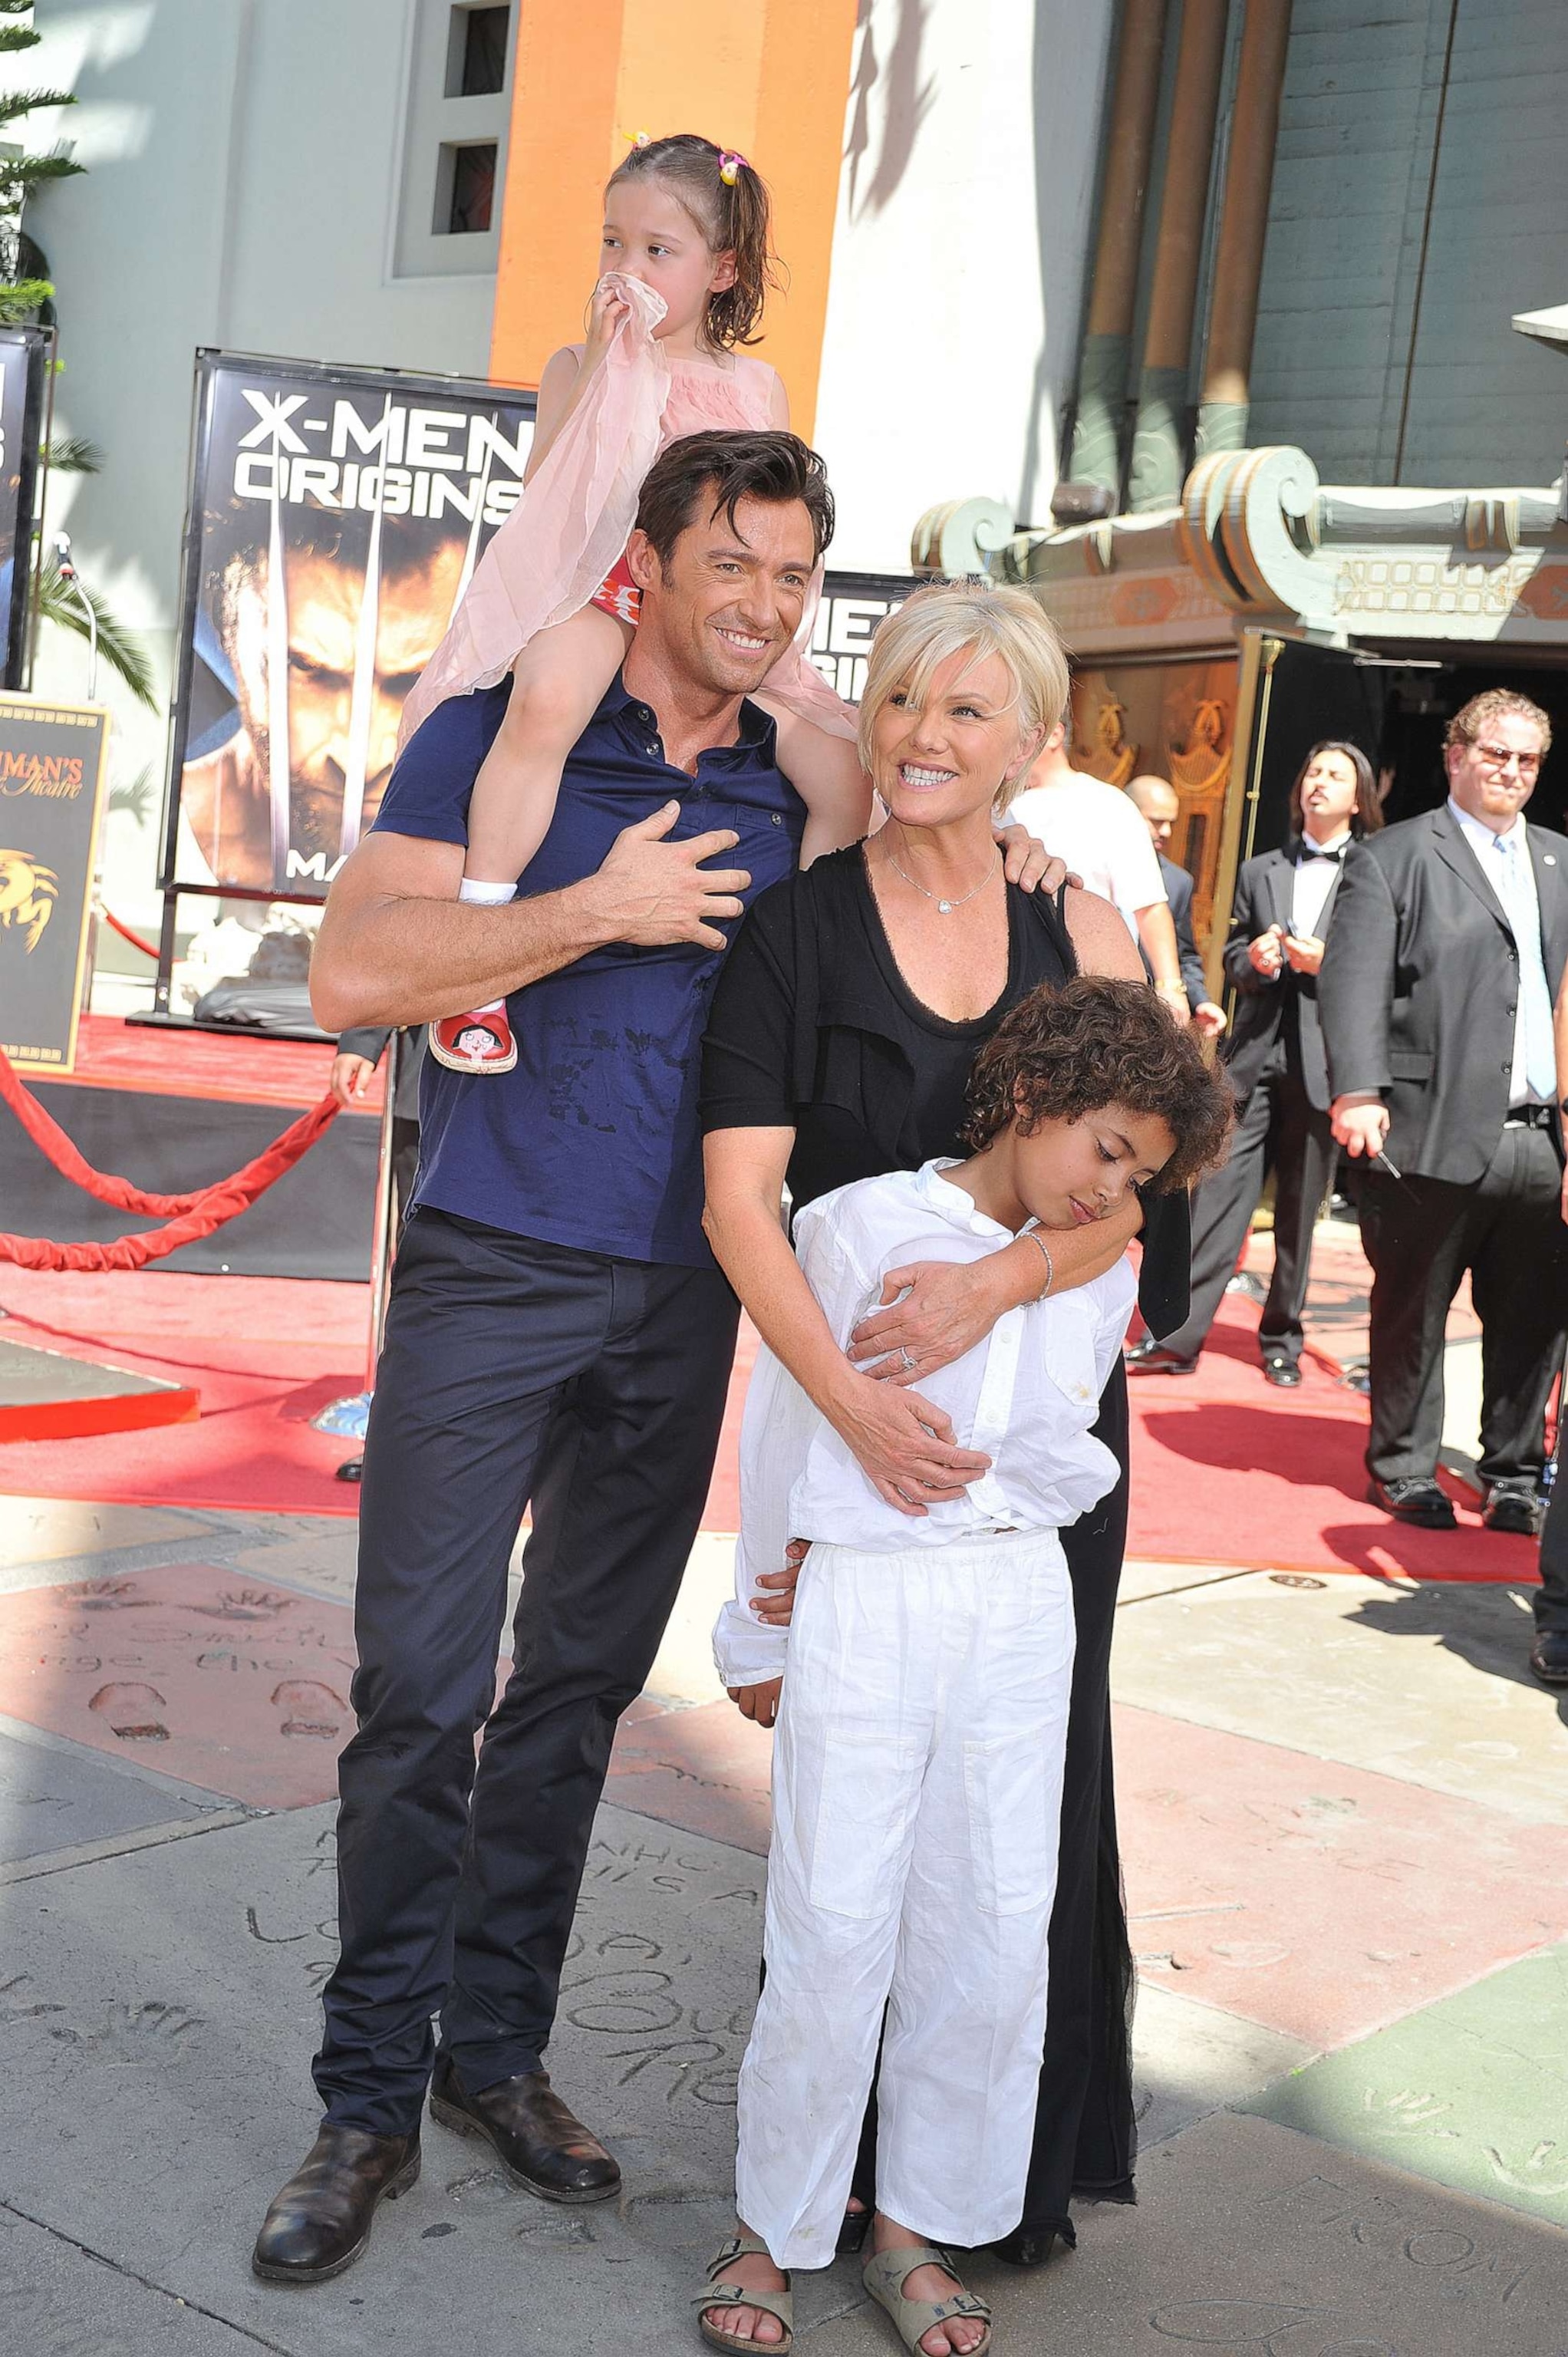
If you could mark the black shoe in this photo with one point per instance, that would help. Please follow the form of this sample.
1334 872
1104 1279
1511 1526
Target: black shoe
542 2146
1513 1506
321 2221
1280 1368
1416 1500
851 2232
1151 1357
1030 2246
1549 1657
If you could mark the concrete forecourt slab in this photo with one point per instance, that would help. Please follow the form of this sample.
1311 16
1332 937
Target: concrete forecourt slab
158 2019
1427 1684
56 1796
1470 2093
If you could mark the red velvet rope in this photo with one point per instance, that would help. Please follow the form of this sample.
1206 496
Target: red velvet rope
126 934
190 1217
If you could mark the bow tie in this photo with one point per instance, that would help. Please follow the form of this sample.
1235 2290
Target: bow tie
1317 851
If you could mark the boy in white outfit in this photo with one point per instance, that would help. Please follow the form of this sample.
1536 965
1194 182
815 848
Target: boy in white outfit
917 1765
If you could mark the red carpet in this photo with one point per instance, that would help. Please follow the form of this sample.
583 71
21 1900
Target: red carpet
264 1353
245 1067
1225 1470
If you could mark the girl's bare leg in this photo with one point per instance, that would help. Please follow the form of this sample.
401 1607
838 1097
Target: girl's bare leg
826 773
558 680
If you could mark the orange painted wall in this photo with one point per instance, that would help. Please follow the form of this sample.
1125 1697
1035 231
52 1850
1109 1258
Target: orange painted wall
769 77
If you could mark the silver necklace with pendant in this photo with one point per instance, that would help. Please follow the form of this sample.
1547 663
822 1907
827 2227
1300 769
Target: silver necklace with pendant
946 908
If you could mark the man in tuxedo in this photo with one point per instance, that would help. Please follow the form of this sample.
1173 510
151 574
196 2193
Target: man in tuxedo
1275 1060
1447 947
1160 806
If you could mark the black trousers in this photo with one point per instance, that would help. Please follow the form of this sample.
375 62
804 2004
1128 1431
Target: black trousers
511 1370
1421 1235
1552 1596
1279 1129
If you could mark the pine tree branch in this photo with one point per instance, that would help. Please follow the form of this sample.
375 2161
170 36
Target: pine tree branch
20 300
74 454
119 648
23 101
18 174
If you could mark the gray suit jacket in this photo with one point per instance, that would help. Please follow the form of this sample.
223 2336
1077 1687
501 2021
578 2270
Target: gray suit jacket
1420 986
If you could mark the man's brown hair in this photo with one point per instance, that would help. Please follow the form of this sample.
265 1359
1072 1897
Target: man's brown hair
1070 1049
712 473
1496 704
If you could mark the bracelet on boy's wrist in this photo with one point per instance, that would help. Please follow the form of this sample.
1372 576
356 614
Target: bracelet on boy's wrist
1036 1238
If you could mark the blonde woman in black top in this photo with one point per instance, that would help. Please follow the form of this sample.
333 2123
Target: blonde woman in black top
843 1026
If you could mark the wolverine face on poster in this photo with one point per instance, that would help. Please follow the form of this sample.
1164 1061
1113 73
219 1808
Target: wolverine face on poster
337 517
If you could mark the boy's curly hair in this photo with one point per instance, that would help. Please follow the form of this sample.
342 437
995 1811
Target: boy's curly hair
1090 1042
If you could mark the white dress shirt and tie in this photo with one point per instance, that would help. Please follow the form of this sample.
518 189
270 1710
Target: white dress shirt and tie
1312 887
918 1761
1505 862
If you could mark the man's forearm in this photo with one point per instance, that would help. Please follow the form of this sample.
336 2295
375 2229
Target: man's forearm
398 960
1157 933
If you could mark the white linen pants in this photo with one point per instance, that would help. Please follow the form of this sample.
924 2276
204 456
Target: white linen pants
917 1812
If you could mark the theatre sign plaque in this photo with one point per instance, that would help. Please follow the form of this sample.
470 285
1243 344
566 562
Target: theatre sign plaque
52 792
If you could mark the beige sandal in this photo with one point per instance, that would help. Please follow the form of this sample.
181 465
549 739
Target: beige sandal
732 2295
884 2274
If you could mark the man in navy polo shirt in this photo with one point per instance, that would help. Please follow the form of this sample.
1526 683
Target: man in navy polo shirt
558 1332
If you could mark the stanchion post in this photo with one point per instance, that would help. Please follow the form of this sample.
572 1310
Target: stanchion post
350 1417
388 1210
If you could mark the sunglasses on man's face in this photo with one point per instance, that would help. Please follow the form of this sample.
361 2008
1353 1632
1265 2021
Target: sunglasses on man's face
1497 756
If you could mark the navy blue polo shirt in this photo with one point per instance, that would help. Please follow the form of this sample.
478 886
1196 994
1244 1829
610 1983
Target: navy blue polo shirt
591 1141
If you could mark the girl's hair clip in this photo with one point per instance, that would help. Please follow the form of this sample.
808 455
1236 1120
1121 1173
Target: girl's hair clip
732 163
638 138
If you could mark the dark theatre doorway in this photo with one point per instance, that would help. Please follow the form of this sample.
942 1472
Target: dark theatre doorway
1396 706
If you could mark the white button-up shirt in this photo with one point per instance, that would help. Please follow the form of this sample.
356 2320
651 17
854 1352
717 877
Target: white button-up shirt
1025 1396
1316 873
1505 862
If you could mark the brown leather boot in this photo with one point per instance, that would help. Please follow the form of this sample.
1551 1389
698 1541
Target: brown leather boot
542 2146
321 2221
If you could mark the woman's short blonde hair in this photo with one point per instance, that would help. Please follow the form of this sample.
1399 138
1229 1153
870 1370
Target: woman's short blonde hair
949 618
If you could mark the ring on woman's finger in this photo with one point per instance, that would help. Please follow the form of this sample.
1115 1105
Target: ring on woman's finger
909 1363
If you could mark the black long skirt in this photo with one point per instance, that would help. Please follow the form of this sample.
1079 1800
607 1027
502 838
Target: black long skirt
1085 2141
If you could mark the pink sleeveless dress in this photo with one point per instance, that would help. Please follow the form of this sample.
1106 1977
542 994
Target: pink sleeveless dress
559 549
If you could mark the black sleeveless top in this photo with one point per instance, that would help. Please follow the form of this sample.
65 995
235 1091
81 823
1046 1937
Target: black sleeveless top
813 1028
